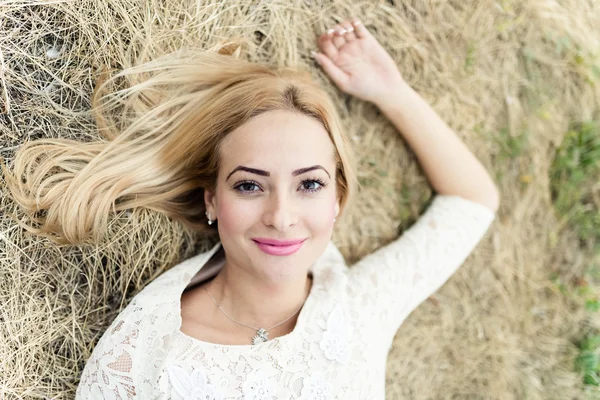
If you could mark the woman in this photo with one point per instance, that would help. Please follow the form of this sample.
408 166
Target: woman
271 311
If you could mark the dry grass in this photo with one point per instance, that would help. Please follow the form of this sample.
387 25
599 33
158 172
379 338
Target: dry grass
507 75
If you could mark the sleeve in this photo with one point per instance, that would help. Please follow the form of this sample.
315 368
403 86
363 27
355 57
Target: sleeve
393 280
108 372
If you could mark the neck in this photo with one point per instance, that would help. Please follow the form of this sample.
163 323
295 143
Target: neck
256 302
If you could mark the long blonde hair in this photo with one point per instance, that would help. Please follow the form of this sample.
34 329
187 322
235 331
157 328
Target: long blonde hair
161 138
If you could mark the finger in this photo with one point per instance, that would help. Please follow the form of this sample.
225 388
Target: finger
349 36
337 75
327 46
338 36
359 29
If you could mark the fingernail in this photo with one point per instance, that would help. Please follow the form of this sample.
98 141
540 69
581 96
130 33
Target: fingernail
313 53
357 22
330 32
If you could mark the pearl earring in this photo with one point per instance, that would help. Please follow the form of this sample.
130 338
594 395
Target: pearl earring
208 216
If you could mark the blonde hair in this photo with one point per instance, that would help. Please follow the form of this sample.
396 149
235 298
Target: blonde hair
160 145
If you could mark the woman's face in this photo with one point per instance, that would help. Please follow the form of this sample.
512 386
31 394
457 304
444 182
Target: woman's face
279 201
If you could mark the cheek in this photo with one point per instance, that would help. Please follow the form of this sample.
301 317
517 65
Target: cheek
322 216
234 215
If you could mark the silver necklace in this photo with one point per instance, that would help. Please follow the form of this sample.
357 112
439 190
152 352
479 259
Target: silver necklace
261 333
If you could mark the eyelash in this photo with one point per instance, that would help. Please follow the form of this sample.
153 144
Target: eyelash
317 180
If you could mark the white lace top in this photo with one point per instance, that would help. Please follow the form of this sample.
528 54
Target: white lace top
338 348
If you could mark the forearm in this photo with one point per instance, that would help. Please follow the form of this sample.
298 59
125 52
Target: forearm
450 166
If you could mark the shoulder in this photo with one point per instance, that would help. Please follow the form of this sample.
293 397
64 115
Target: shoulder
124 329
113 356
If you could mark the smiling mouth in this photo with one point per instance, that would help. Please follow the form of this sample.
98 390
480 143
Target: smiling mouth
272 242
278 250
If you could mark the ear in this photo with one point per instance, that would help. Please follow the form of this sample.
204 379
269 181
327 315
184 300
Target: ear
210 202
337 208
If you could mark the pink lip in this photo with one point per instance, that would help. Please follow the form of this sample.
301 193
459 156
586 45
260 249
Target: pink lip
274 242
276 250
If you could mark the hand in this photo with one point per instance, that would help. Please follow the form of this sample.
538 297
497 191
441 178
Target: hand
357 63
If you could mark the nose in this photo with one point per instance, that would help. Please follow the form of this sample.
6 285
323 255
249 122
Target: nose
280 211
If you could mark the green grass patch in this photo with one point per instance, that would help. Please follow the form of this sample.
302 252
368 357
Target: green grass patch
574 178
588 361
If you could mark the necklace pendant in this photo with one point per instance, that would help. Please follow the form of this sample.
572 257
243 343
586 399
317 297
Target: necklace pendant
261 336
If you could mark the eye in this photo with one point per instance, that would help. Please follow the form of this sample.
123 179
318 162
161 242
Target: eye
312 181
307 186
245 185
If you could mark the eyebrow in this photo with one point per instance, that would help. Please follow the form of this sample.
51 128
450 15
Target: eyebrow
266 173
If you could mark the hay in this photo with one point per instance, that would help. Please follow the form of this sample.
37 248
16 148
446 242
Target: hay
497 330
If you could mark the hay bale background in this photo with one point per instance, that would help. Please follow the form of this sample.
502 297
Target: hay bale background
497 71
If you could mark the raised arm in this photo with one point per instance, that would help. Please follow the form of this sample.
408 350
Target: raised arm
358 65
449 165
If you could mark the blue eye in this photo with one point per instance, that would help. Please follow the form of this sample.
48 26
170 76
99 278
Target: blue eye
307 182
317 181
